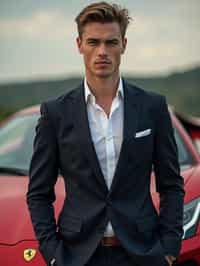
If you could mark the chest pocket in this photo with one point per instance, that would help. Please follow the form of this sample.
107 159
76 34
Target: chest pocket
141 145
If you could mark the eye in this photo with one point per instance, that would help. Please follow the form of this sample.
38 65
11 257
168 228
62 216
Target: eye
112 42
92 42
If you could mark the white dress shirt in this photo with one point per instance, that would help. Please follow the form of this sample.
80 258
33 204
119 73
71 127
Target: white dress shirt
106 134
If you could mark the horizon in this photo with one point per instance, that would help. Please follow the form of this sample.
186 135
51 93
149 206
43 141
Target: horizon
81 75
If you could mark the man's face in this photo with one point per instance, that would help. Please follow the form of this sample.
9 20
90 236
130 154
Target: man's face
102 46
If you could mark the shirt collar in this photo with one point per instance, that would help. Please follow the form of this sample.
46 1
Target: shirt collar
89 94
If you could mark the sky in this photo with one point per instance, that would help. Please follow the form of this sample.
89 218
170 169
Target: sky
38 38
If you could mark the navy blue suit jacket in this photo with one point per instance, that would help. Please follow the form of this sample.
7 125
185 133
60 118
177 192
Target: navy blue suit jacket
63 143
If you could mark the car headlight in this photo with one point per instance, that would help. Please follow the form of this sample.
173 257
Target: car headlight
191 217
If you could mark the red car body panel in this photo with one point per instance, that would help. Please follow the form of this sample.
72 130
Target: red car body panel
16 232
13 254
192 126
13 204
186 138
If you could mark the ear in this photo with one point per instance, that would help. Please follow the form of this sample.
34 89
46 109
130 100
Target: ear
124 43
79 44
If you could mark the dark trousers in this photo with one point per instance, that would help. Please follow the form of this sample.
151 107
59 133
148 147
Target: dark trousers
110 256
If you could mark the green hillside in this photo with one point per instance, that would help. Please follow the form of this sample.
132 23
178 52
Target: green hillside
181 89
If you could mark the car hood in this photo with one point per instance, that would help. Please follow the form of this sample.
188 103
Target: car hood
15 222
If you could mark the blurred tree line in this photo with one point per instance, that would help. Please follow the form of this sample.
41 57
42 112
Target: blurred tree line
5 113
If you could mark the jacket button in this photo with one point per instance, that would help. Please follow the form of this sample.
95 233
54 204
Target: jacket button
108 201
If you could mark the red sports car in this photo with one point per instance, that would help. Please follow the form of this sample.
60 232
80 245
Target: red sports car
18 245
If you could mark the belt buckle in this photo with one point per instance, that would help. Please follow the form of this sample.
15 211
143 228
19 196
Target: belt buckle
105 242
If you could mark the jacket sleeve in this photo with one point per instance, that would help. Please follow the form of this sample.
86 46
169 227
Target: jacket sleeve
43 174
169 183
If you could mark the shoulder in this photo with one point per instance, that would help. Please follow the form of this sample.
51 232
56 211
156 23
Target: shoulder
146 97
147 94
60 104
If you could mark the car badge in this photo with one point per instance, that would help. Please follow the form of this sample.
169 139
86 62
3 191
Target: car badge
29 254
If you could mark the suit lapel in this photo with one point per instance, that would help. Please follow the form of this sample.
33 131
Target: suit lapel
131 116
81 125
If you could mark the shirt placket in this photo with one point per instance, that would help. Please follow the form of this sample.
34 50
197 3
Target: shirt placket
110 148
110 152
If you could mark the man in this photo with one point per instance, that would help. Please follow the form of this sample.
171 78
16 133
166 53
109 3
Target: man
104 138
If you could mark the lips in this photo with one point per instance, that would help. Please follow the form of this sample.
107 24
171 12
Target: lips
104 62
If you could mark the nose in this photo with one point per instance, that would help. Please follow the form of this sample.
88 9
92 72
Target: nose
102 50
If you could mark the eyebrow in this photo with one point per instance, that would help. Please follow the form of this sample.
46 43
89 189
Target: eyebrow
99 40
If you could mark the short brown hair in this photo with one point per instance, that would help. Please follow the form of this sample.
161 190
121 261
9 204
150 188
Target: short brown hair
103 12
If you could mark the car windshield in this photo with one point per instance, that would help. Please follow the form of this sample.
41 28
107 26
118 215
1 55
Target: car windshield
16 144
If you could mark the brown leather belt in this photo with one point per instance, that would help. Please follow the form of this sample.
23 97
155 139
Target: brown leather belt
110 241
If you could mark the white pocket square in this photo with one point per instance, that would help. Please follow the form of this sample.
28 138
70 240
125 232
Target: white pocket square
143 133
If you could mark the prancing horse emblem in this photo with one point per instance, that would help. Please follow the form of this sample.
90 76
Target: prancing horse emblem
29 254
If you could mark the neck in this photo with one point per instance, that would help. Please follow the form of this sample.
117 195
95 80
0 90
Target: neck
103 87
